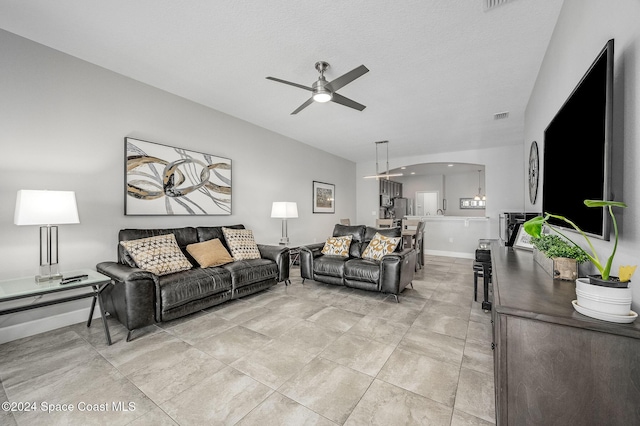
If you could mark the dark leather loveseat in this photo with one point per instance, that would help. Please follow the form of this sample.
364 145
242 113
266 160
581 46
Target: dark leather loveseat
138 298
390 275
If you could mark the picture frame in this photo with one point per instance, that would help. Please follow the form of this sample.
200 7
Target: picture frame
523 240
162 180
324 197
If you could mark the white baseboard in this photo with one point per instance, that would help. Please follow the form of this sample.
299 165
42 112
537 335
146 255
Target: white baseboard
450 254
29 328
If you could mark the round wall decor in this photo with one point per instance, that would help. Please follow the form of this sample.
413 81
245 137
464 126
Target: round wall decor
534 172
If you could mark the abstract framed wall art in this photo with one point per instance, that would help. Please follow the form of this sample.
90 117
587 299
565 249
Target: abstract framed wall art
163 180
324 197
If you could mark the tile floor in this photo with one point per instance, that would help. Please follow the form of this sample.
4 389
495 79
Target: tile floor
311 354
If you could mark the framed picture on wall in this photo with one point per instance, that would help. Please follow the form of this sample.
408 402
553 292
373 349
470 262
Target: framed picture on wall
165 180
324 200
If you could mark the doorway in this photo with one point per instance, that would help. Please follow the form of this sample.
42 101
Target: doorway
427 203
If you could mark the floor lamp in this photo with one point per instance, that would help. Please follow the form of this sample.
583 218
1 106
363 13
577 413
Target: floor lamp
48 209
284 210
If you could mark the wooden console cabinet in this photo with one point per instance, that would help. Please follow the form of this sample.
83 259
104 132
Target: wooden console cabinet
554 366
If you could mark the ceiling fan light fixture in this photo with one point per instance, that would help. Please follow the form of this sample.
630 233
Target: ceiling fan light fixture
323 91
322 96
320 92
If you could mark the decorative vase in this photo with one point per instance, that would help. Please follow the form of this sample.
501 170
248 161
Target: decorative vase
596 299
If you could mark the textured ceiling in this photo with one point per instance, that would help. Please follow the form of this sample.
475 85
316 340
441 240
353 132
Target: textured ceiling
439 69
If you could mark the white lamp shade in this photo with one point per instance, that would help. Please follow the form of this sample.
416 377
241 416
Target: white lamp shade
34 207
284 210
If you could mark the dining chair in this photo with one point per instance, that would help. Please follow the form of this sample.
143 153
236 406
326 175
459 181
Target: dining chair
409 227
413 235
419 244
384 223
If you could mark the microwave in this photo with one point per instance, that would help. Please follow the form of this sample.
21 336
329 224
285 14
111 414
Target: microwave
385 200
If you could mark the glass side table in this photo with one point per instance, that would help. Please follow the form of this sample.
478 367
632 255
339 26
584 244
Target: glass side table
26 287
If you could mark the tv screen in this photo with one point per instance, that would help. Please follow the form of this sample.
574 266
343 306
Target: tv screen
577 150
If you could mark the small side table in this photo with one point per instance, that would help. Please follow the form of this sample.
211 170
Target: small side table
294 251
294 254
26 287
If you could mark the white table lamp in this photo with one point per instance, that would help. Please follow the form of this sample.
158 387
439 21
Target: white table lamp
47 209
284 210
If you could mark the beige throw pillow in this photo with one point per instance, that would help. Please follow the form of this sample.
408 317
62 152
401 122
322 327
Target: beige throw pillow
209 253
379 246
159 255
241 244
337 246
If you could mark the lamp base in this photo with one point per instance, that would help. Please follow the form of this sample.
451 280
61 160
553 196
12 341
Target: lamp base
45 278
48 273
284 241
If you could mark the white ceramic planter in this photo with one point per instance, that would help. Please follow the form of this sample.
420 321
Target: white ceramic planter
608 300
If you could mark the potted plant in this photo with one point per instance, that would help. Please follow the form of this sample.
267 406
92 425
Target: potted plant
557 256
602 296
534 226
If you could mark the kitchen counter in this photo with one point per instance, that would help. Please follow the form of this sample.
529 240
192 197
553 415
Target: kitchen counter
454 236
444 217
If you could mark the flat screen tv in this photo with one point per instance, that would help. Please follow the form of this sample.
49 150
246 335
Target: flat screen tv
577 150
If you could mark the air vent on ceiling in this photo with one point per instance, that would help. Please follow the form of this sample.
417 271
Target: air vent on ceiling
491 4
501 115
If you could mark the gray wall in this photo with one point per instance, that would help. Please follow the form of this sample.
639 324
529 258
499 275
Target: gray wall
463 185
63 123
583 28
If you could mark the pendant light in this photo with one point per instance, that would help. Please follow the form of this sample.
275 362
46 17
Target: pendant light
479 195
379 175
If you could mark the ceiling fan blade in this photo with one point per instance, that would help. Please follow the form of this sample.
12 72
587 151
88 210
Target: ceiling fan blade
290 83
346 102
303 106
347 78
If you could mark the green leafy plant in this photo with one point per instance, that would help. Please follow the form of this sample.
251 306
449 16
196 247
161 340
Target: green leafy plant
553 246
534 226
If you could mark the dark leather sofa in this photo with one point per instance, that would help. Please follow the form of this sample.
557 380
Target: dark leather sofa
138 298
389 275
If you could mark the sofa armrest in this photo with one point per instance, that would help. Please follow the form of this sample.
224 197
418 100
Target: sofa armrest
307 254
397 270
132 297
280 255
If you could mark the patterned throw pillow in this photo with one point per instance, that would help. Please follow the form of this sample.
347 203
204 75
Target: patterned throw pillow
209 253
379 246
338 246
241 244
159 255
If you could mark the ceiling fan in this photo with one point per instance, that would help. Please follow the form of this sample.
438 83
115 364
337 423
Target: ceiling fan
325 91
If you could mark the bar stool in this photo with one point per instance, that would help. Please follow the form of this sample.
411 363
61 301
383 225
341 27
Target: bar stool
479 272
